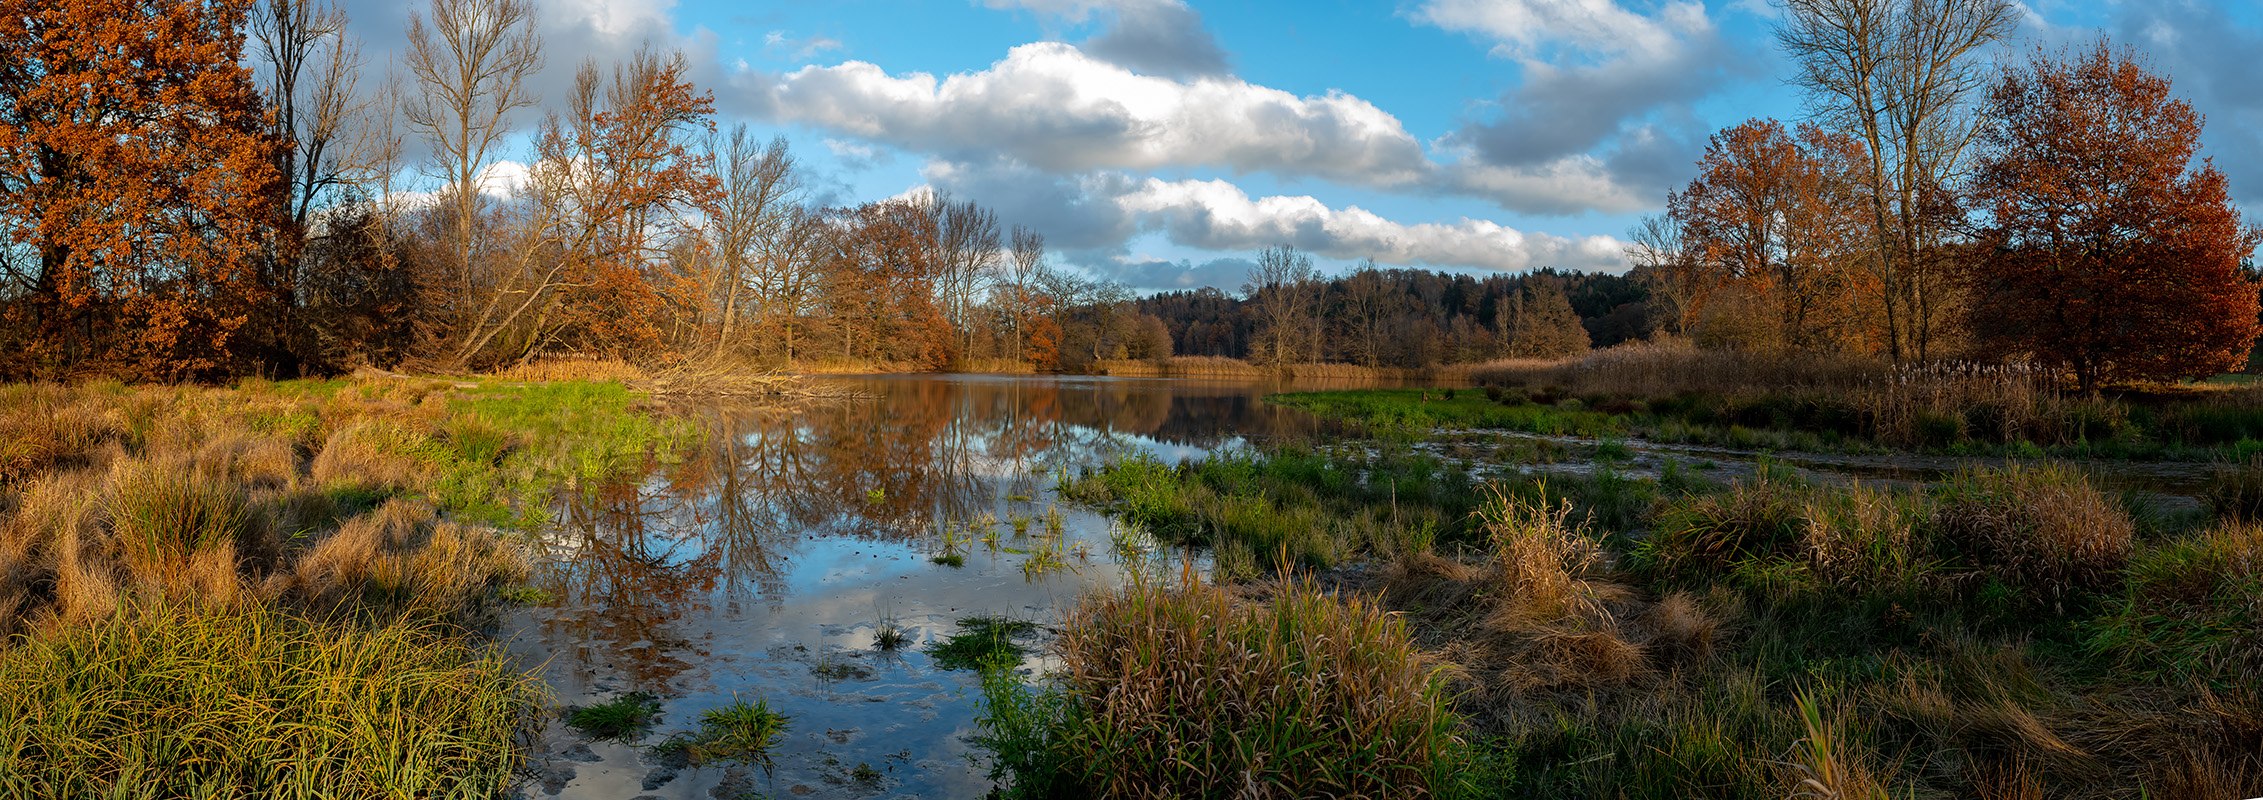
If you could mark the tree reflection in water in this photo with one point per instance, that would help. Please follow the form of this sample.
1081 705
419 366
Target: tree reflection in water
721 528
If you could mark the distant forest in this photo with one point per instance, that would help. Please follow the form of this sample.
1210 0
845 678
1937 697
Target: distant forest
1421 318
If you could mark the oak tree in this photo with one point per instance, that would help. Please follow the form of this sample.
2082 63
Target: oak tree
2109 251
137 181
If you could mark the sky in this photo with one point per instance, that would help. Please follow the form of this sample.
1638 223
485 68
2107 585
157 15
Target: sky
1162 143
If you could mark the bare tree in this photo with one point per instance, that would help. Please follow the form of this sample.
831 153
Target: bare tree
471 63
1018 287
1281 289
965 256
1897 75
1660 254
753 211
311 67
789 269
1366 310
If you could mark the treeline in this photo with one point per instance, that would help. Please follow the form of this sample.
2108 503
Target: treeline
199 190
1403 318
2054 213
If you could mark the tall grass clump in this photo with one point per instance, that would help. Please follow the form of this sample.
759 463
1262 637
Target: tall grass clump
166 701
1866 541
1189 692
1703 537
2045 529
2194 608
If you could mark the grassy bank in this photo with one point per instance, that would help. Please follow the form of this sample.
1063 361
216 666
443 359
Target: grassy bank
2010 633
210 592
2215 425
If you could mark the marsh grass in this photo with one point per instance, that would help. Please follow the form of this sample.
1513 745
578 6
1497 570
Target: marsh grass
1185 691
2006 633
173 701
625 718
739 731
1285 508
241 557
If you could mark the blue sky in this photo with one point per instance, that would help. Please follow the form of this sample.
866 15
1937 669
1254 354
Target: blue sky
1160 142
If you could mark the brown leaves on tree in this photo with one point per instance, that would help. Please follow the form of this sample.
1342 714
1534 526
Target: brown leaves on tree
2109 252
137 187
1775 234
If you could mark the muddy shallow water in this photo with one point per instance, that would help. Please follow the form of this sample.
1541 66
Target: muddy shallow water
762 566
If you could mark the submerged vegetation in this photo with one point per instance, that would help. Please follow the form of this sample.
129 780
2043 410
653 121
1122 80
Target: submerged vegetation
289 570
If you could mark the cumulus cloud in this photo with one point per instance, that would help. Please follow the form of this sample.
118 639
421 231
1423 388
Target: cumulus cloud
1055 107
1094 215
1217 215
1596 79
1525 29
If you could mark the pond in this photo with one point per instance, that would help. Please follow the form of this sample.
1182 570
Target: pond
764 565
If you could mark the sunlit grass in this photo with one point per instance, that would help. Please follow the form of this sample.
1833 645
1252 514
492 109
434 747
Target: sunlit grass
178 702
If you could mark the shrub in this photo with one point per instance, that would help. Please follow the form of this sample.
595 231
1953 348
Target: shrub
2042 528
1185 692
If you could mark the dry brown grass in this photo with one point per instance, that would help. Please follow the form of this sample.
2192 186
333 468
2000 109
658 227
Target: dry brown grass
2044 528
373 454
554 370
1541 613
205 497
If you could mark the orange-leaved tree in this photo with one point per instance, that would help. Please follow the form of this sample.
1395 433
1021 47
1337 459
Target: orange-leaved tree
1774 214
2108 252
137 188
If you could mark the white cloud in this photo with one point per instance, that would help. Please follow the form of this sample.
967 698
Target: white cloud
1055 107
1532 29
1218 215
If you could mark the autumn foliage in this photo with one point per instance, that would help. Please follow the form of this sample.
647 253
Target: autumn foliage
138 190
2110 251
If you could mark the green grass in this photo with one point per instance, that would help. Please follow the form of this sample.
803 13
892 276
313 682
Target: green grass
2006 627
2142 428
741 731
173 702
983 642
625 718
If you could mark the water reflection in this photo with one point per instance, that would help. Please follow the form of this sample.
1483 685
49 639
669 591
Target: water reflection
777 545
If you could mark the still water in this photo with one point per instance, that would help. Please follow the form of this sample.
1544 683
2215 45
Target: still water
764 563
